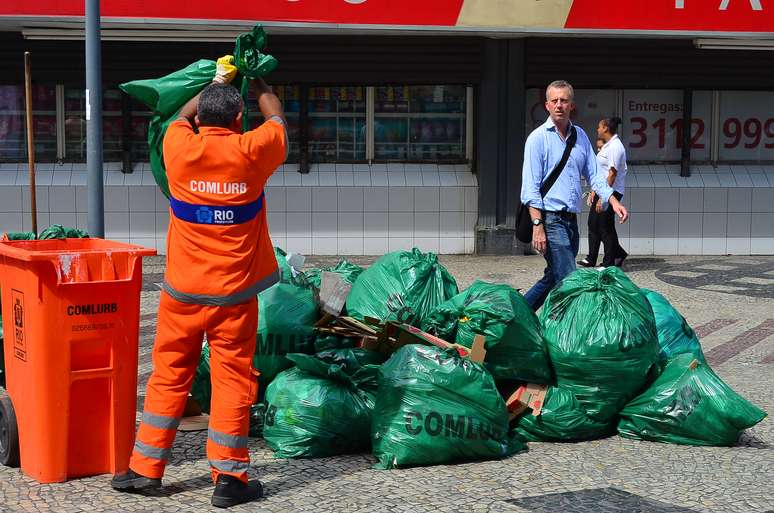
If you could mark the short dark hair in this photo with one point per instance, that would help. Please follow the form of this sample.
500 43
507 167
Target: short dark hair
612 124
219 105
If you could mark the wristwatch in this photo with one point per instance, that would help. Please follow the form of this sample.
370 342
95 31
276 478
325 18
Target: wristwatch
537 222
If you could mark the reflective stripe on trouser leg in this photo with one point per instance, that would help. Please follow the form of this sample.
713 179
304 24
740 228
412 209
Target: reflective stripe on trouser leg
231 332
175 357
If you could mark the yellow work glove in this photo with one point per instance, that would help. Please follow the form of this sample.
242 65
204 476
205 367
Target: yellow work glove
226 71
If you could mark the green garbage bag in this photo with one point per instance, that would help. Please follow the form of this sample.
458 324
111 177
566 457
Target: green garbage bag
19 236
165 96
675 335
57 231
347 270
201 389
322 407
286 272
515 346
562 419
325 342
601 338
432 407
286 317
688 404
252 63
257 420
404 286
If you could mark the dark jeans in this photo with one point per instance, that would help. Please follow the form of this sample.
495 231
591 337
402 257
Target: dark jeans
562 240
602 229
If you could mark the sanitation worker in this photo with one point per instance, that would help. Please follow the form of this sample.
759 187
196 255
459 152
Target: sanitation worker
219 257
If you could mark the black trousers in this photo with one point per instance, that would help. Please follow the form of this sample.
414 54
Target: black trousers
602 230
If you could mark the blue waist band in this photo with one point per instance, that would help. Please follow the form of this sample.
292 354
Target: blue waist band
216 214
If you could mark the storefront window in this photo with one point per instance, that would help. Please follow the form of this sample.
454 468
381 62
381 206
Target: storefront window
75 125
13 138
337 119
420 123
12 142
289 96
653 125
652 128
138 136
746 126
591 105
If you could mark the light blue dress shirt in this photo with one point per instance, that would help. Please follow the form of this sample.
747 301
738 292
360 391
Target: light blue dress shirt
542 151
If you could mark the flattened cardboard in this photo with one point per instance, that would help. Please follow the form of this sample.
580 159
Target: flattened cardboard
333 292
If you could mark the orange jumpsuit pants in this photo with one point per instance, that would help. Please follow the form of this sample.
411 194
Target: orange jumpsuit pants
231 332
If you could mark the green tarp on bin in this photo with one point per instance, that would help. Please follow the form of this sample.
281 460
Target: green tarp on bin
601 338
515 348
402 286
322 407
434 407
55 231
675 335
689 405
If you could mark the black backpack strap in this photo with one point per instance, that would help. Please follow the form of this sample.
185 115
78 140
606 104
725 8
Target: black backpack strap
560 165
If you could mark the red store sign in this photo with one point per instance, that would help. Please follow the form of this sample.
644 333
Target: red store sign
752 16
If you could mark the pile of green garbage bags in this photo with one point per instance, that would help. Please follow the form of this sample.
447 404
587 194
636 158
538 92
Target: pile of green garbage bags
614 359
627 361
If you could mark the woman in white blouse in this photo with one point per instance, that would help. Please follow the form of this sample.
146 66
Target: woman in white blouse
612 160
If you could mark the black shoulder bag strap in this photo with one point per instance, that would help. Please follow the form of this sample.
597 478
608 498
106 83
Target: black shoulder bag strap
561 164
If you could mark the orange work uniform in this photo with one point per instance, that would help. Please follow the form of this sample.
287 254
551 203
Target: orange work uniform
219 256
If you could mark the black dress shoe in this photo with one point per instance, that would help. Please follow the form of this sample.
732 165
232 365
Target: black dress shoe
619 261
230 491
131 481
585 263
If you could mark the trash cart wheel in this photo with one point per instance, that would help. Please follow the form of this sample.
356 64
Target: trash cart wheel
9 434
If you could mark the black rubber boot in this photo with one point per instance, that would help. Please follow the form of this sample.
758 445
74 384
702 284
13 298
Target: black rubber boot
230 491
130 481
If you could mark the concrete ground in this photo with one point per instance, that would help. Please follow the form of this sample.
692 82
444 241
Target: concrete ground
728 300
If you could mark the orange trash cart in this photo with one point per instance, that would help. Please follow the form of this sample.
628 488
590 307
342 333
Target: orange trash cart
71 313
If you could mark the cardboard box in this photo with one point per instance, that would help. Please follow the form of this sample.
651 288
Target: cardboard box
527 396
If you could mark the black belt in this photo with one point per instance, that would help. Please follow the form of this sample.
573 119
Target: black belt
564 214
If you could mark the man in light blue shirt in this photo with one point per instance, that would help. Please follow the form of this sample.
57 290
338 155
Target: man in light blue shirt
554 217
